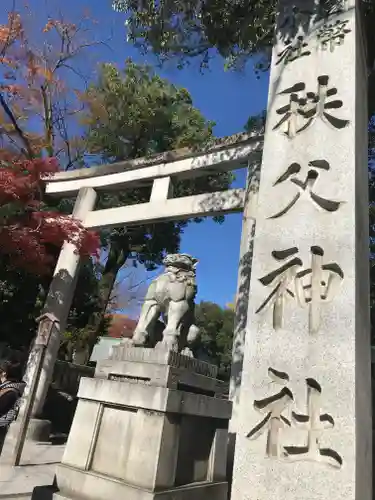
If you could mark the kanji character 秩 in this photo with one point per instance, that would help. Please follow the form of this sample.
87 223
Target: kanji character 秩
300 113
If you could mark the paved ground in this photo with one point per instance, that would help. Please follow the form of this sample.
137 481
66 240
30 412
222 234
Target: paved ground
37 469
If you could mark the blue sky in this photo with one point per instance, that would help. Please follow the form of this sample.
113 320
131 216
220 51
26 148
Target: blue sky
228 98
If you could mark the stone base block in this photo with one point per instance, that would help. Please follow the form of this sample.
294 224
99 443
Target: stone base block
158 375
123 352
75 484
38 430
153 398
160 368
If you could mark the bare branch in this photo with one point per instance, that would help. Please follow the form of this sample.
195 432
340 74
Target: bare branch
76 72
17 128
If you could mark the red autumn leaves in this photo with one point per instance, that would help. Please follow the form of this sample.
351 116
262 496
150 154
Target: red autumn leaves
27 228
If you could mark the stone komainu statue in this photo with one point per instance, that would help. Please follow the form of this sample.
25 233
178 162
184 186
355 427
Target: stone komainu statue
171 295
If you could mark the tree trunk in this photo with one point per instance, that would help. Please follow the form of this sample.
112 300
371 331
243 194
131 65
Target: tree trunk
107 284
118 253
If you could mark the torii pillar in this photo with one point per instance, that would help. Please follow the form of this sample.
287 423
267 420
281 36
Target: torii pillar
58 302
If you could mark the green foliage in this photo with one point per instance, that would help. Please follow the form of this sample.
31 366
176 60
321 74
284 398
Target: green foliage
134 113
22 296
216 326
256 124
78 338
86 304
18 305
237 30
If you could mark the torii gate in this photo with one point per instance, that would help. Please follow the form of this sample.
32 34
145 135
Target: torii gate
160 171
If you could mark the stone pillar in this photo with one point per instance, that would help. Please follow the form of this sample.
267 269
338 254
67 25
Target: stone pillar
243 288
304 429
58 302
242 303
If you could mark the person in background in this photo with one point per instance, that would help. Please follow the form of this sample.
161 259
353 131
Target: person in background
11 389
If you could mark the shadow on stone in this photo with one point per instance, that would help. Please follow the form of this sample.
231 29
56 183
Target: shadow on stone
44 492
243 291
59 410
230 460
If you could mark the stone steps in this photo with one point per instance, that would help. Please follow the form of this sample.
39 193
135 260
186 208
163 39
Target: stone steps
39 493
16 497
37 469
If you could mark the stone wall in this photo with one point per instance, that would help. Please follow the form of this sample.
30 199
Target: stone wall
66 376
61 400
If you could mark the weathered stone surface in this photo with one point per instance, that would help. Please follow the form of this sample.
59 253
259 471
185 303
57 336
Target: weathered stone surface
38 430
162 357
97 487
156 375
171 295
243 291
58 303
304 430
37 469
138 438
219 144
153 398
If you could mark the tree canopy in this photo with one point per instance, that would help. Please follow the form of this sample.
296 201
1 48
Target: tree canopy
34 135
133 113
216 325
188 29
128 114
30 92
38 105
237 30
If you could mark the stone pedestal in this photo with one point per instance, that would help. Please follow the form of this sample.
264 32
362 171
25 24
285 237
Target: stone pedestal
147 426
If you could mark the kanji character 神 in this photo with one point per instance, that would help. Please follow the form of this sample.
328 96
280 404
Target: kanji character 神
310 287
282 279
